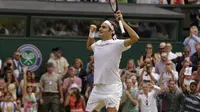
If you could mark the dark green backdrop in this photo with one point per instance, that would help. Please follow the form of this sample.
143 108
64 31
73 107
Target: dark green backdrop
73 49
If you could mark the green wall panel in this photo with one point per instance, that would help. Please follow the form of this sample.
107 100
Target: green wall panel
73 49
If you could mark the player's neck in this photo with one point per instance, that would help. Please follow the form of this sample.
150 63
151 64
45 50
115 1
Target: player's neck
107 38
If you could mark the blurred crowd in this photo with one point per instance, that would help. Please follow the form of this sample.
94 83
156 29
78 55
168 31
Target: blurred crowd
172 2
12 28
163 81
50 27
45 27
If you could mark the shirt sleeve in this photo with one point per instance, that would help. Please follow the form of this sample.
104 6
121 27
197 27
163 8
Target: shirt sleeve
126 48
65 84
94 45
186 41
120 45
156 90
196 38
175 73
66 64
80 83
156 76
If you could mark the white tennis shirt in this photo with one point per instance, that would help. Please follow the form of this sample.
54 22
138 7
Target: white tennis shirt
107 55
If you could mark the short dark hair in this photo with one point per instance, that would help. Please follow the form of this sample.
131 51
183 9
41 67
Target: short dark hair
171 80
194 83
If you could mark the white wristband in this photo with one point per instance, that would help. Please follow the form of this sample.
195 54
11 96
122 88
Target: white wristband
91 34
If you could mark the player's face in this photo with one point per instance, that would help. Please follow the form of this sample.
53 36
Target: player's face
104 31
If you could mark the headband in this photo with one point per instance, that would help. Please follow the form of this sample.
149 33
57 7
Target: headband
111 27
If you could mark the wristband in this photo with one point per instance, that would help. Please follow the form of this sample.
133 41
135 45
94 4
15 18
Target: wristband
91 34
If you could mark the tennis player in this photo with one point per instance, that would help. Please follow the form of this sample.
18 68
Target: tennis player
107 54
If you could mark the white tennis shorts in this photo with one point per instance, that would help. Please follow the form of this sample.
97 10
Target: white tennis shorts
104 95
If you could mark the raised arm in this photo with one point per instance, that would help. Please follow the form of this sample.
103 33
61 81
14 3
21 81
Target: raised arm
91 40
196 38
157 90
25 80
133 35
133 100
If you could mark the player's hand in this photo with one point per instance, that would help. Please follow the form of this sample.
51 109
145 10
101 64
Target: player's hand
93 28
118 15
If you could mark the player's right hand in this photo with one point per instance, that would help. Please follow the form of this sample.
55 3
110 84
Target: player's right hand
93 28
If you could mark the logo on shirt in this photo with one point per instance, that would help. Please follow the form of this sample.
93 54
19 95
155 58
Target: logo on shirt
30 56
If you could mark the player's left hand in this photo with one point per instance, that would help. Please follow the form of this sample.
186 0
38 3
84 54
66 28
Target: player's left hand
118 15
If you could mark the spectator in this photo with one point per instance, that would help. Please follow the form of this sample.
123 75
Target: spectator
168 74
192 102
149 54
171 55
7 66
60 28
71 79
195 58
162 49
90 80
30 81
178 2
130 67
91 59
134 81
60 63
8 104
179 61
173 97
186 78
160 65
3 30
51 85
147 73
80 72
196 74
147 100
128 100
18 70
75 100
11 84
29 97
192 40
